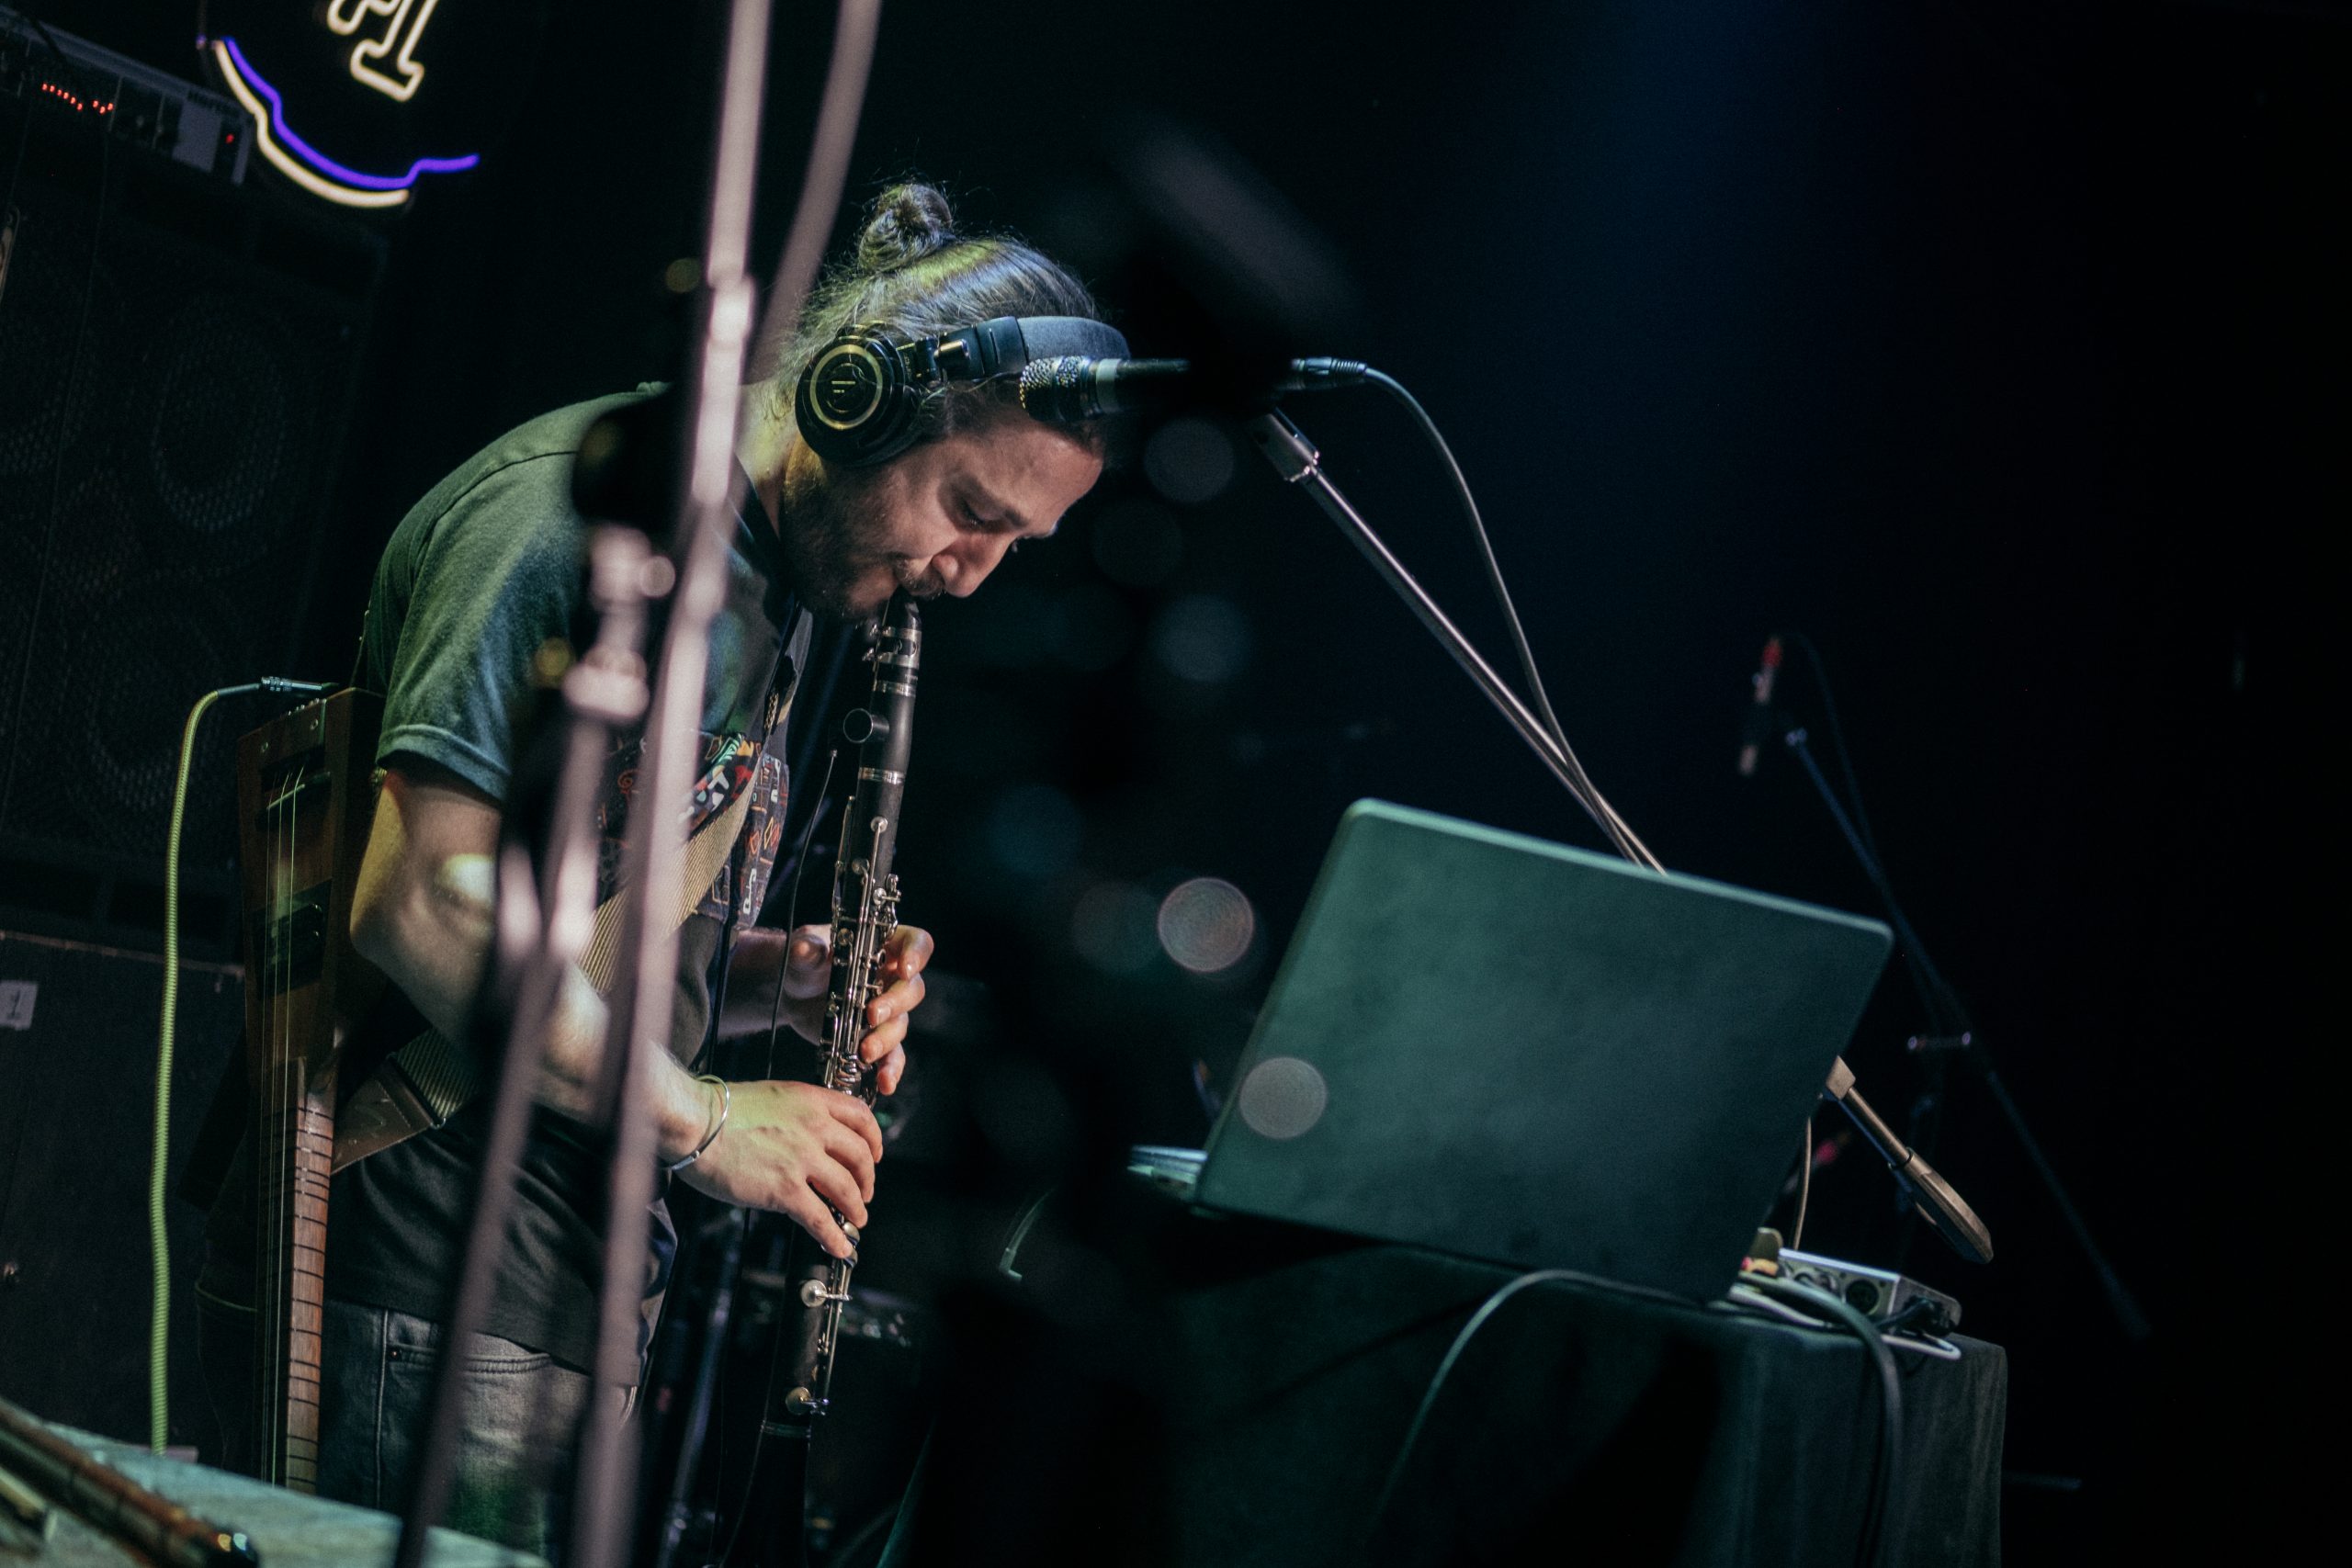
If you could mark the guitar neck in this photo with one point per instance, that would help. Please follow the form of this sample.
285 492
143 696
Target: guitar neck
305 800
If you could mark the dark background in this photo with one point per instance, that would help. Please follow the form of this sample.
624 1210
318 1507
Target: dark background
1986 343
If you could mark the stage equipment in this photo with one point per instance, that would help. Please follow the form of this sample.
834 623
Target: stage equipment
1655 1059
158 1530
158 1239
1931 1197
77 1054
859 400
865 911
1069 390
1950 1033
282 1529
545 868
1288 1369
105 93
1880 1294
546 879
1298 462
305 796
177 360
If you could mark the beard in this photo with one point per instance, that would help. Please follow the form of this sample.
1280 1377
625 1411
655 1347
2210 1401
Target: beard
834 536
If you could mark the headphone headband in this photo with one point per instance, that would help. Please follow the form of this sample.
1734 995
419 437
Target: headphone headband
857 400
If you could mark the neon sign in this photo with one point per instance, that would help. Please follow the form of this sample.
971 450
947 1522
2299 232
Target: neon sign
344 18
359 102
304 164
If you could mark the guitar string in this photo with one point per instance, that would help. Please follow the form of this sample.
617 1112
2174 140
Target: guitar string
281 956
284 1131
273 979
265 1263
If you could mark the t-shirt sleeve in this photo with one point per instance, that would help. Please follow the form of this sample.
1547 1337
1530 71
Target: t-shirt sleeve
498 575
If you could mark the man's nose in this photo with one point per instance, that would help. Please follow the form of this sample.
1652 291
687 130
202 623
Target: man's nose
962 571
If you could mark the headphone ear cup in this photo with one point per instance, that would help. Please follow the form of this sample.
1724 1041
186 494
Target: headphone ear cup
856 405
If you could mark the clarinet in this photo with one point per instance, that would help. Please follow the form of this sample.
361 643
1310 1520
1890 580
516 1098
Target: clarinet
865 911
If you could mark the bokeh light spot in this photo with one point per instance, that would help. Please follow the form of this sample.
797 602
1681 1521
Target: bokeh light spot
1203 638
1189 460
1206 924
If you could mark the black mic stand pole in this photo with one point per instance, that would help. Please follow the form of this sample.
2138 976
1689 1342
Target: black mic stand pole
1299 463
1964 1042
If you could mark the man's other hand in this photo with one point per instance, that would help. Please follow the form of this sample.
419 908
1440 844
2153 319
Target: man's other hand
795 1149
808 977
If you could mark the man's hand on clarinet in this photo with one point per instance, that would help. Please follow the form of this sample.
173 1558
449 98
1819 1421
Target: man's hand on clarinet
808 975
795 1149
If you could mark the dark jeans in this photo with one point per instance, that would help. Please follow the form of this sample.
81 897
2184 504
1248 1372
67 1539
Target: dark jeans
521 1411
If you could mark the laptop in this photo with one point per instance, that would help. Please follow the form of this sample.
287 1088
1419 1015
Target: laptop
1511 1050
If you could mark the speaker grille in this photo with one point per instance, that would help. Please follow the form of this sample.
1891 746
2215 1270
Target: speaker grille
170 410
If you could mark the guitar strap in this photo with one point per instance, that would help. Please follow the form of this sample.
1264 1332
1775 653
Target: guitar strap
421 1085
418 1086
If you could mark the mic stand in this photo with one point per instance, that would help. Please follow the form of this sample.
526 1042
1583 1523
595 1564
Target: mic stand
1295 458
1964 1044
546 883
644 981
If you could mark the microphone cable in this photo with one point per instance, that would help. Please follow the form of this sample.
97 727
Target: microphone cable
1469 1331
1620 832
159 1321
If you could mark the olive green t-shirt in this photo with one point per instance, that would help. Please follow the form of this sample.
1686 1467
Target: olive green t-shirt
479 575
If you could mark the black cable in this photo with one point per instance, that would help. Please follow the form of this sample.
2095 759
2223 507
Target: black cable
1396 389
1619 833
1477 1320
1873 1547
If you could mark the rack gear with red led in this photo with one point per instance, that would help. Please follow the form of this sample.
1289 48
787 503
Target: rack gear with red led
70 79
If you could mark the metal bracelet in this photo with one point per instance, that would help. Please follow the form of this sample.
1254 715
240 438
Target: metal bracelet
726 1105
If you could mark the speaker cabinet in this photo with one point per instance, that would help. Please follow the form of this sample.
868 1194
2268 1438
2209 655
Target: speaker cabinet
177 359
77 1102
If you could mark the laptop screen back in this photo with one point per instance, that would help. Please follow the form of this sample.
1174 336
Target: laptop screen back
1512 1050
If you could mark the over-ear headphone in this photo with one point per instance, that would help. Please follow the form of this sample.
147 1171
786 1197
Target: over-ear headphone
857 402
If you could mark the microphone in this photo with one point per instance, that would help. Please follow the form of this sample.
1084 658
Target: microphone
1069 389
1757 728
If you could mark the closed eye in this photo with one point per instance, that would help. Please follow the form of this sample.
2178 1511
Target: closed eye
972 519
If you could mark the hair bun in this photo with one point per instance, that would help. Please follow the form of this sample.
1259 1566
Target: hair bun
908 223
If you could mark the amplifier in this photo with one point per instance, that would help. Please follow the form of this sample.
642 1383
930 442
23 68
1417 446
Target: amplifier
70 79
